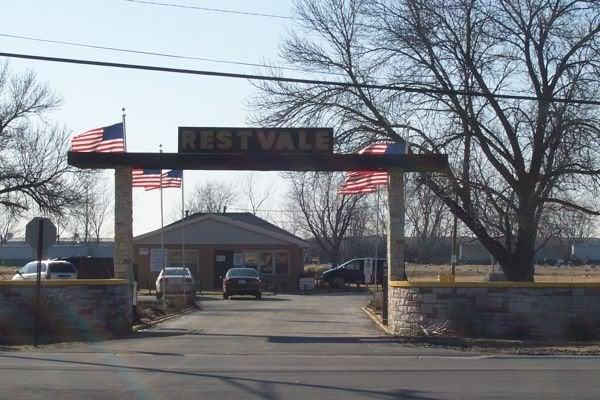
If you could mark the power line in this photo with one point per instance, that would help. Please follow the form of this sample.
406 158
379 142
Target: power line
407 89
221 10
290 211
152 53
177 56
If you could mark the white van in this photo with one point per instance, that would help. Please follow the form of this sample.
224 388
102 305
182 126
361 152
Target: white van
51 269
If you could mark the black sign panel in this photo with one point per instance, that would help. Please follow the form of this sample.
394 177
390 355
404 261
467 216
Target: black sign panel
255 140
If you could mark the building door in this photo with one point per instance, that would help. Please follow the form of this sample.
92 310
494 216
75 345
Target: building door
223 261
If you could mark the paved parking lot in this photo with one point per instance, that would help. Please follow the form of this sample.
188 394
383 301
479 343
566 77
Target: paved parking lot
284 347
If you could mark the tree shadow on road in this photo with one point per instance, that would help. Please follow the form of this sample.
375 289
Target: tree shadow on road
281 339
258 388
270 298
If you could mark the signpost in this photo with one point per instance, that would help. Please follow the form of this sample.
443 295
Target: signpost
47 239
40 233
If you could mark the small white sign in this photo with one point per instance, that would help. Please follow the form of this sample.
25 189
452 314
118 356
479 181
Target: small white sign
156 261
143 251
306 283
237 259
368 271
221 258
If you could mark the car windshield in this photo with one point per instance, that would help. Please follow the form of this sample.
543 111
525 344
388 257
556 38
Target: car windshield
176 271
31 268
239 272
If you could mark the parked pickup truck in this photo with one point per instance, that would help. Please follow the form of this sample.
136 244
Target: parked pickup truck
358 270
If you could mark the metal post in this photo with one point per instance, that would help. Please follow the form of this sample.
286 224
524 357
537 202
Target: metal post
38 284
162 236
454 256
124 131
376 268
183 239
384 308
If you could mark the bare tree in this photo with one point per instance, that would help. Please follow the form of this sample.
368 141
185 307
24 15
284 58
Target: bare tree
428 219
256 197
33 168
511 158
319 211
90 218
567 226
9 220
211 197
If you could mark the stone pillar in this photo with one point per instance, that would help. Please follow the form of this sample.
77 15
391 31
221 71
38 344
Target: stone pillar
395 233
123 257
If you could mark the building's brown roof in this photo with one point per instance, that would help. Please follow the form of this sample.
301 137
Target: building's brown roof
247 218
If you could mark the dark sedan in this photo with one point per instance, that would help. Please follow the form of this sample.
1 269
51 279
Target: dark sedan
241 281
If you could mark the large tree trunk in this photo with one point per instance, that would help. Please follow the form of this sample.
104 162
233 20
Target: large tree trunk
520 267
519 264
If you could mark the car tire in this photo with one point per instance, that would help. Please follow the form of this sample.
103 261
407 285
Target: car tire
225 296
258 296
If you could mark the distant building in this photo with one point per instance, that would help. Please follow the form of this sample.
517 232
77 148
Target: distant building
18 253
586 253
216 242
554 251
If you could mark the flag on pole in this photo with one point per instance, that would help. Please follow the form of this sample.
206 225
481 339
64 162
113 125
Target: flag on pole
170 179
362 182
108 139
145 178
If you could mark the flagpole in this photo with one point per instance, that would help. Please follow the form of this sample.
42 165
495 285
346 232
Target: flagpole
183 260
124 131
376 236
162 236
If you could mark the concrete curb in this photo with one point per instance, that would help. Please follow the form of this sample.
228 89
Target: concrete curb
377 321
139 327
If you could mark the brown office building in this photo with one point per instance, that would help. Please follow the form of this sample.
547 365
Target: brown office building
215 242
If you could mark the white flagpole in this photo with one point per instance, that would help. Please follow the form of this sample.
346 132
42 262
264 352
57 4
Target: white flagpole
376 237
183 260
124 131
162 236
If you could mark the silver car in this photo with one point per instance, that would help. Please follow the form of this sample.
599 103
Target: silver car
175 281
51 269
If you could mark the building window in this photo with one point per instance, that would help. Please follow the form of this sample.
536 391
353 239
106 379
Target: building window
251 260
191 259
282 263
266 263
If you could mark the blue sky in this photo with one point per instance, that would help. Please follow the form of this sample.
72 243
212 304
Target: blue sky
157 103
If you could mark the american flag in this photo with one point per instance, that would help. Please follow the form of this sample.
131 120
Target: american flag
109 139
145 178
361 182
170 179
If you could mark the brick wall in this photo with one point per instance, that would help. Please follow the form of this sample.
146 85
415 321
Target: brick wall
496 310
84 311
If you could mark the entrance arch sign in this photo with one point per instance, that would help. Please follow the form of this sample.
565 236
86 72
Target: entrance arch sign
258 149
263 162
255 140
